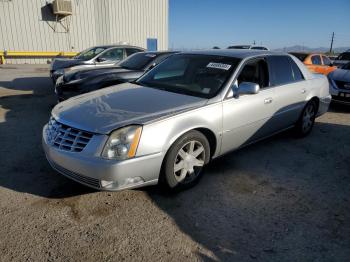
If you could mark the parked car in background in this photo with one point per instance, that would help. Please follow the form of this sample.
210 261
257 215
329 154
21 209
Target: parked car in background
340 84
191 108
93 57
342 59
254 47
316 63
77 82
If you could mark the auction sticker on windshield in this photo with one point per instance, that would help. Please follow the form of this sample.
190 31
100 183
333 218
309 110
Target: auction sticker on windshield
219 66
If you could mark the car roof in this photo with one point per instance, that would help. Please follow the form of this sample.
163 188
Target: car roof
158 52
236 53
118 45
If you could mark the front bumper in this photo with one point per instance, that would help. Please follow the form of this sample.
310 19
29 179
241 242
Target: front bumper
54 75
324 105
64 92
88 168
339 95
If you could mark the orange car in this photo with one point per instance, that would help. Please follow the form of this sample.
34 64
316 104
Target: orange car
316 63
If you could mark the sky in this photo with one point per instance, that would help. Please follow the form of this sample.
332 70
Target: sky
276 24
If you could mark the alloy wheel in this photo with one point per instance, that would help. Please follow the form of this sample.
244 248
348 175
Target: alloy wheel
308 118
189 161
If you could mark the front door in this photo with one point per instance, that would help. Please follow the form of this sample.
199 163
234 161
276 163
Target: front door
247 118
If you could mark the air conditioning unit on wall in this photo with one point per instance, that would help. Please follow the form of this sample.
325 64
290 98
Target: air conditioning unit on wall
62 7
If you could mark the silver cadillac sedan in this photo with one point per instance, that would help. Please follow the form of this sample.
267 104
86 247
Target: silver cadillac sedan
193 107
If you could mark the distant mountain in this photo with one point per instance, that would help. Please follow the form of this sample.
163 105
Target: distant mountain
299 48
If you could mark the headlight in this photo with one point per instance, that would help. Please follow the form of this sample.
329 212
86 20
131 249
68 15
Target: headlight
59 71
59 80
122 143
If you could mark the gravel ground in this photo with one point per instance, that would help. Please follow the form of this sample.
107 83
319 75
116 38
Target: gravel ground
283 199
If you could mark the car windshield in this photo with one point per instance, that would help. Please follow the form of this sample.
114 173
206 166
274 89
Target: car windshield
137 61
346 66
300 56
191 74
90 53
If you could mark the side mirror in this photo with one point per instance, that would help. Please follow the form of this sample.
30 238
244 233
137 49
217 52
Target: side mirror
100 59
248 88
151 66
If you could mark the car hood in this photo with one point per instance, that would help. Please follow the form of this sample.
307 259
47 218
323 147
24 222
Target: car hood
110 108
59 63
87 73
340 75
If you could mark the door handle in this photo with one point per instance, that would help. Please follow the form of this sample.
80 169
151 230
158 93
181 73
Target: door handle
303 91
268 100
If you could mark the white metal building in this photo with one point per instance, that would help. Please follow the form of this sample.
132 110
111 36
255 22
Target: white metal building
31 25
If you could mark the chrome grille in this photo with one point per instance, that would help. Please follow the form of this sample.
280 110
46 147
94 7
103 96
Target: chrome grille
65 137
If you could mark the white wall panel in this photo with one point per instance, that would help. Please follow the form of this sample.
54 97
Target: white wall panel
22 27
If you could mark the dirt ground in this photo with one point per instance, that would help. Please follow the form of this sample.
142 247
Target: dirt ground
283 199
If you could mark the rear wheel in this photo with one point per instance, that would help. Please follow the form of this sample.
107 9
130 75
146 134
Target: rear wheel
307 119
185 161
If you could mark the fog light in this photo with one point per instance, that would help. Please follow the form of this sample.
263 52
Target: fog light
133 180
105 183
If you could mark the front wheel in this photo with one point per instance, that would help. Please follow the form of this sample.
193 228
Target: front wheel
307 119
185 161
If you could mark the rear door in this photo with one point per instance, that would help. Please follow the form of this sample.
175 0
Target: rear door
290 90
247 117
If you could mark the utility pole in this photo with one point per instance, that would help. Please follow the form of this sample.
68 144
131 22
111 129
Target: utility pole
330 50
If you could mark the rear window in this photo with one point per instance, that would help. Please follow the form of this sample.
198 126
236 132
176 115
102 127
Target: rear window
281 71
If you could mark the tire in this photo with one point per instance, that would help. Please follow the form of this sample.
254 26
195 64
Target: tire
306 120
193 151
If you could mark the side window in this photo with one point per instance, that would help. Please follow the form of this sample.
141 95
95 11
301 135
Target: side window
255 71
281 72
130 51
326 61
316 60
297 75
112 55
